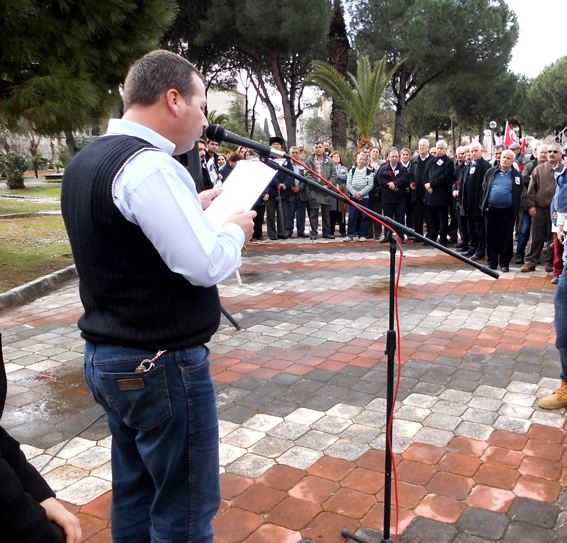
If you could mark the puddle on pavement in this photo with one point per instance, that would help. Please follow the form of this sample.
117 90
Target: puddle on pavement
64 396
382 287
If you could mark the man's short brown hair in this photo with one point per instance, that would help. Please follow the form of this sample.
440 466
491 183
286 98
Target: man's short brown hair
154 74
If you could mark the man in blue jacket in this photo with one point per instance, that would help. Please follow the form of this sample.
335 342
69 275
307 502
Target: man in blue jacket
500 202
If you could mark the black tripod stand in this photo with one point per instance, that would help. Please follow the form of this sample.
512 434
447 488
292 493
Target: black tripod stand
391 338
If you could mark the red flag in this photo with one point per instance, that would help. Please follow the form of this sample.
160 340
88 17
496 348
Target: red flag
523 146
510 136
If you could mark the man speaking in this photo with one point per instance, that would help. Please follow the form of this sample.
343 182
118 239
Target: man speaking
148 261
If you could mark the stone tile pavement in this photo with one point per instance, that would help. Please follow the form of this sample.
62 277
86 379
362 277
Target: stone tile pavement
301 400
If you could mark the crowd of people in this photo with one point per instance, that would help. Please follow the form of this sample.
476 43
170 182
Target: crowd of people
458 198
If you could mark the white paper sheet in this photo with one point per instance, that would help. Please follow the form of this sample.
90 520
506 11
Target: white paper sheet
240 191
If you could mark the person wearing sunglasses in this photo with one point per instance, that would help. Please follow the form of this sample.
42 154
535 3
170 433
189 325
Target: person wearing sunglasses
540 193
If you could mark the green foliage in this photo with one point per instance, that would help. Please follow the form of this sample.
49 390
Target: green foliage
64 156
13 166
273 41
62 61
316 129
545 109
214 118
438 39
361 99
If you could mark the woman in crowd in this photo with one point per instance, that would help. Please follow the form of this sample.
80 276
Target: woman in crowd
338 209
360 182
221 160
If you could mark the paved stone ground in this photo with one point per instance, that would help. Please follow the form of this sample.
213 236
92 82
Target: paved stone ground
301 400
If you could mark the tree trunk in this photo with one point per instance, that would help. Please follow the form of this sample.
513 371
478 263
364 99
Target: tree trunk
480 133
339 124
453 136
52 159
71 145
400 123
339 47
409 141
401 105
287 101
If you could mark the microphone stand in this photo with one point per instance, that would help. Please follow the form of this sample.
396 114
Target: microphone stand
391 337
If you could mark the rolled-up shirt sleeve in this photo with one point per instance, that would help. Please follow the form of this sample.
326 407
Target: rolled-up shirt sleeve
160 197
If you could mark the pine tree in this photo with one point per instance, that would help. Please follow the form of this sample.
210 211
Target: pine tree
62 61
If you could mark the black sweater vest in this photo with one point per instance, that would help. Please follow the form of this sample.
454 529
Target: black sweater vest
131 298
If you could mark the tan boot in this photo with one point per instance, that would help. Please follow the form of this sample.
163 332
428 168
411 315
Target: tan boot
557 399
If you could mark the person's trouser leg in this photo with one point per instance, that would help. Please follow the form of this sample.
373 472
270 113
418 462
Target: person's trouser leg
433 226
314 217
164 425
524 234
464 231
353 214
481 234
418 216
325 214
557 256
508 225
300 210
271 207
443 213
561 325
377 207
372 223
291 211
259 220
492 238
537 232
364 219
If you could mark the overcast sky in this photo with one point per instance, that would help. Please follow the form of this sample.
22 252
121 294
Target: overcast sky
543 35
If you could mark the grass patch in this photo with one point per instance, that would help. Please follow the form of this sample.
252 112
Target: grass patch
13 205
34 192
31 248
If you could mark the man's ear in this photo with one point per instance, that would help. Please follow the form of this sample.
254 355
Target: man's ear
173 99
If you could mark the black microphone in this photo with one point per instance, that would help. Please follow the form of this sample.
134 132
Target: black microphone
217 133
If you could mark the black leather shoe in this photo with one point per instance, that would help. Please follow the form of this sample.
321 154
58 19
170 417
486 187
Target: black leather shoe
468 253
519 260
273 239
462 250
302 235
329 236
505 269
384 239
313 236
476 257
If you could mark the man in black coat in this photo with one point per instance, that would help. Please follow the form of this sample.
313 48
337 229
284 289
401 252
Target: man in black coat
29 512
470 193
279 187
393 179
417 170
437 181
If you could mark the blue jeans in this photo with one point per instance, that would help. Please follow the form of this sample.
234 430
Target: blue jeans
165 462
524 235
561 324
353 214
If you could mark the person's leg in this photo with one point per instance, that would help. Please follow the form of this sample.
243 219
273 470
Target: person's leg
364 219
433 219
271 206
333 219
549 255
443 213
464 231
507 229
473 236
535 243
259 221
291 209
481 235
559 398
418 216
352 220
314 217
523 237
371 232
377 208
492 235
325 214
301 217
557 256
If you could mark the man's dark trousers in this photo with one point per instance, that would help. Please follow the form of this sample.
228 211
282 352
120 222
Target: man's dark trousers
499 236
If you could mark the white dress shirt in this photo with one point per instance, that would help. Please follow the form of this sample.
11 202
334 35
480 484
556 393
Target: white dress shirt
157 193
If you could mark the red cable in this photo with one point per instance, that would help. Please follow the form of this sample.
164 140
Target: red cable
389 429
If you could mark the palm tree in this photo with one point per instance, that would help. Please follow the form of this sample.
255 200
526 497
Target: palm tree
361 100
